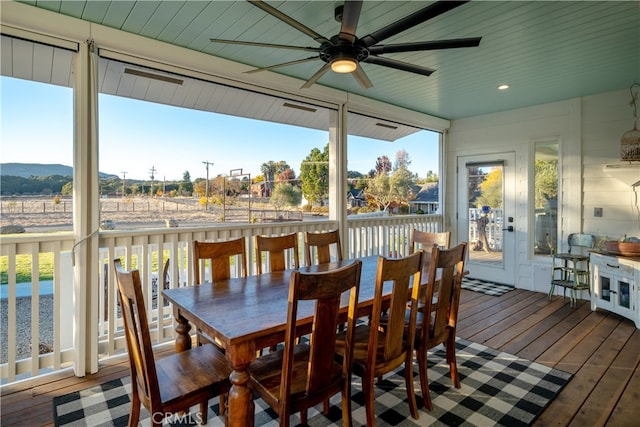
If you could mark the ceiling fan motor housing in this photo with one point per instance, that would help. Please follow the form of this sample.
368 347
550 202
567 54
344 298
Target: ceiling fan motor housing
341 49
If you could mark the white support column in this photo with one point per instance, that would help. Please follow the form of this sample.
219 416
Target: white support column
338 171
86 215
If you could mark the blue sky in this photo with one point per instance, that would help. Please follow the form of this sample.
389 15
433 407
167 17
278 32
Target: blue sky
136 136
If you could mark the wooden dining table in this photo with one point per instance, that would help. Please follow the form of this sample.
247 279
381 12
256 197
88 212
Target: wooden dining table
248 314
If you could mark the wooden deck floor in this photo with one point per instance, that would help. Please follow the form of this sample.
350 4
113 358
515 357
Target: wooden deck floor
601 349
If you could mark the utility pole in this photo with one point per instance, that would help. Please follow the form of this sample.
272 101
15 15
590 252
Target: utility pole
152 172
206 191
124 180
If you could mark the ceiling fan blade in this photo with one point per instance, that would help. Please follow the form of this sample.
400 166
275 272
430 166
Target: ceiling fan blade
321 72
284 64
430 45
277 46
362 78
399 65
289 20
409 21
350 17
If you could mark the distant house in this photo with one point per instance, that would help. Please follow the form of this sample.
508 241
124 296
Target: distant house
260 189
356 198
426 199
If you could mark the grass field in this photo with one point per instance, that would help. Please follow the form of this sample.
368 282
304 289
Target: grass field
45 214
24 266
45 262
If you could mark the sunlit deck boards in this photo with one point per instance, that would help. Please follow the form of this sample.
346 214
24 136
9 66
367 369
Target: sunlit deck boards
601 349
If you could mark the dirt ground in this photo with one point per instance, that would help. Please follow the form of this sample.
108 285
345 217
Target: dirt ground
44 215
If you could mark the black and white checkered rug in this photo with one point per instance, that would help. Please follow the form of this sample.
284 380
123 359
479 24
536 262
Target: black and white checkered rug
497 389
485 287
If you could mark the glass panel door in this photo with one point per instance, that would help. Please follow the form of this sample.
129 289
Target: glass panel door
486 215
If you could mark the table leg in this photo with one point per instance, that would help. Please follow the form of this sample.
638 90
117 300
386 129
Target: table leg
240 400
183 339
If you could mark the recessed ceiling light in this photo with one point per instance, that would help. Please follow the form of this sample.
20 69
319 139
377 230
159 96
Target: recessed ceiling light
503 87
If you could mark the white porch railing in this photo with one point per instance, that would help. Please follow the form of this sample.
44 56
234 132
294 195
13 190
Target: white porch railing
146 250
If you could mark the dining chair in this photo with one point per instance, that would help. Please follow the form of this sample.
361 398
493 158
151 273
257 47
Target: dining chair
321 245
170 384
439 325
278 249
380 345
425 240
302 375
219 256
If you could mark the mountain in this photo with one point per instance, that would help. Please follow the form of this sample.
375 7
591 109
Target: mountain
27 170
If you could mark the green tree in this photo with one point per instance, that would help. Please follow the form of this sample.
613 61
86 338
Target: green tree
401 182
546 181
379 191
491 190
285 194
314 175
67 189
185 187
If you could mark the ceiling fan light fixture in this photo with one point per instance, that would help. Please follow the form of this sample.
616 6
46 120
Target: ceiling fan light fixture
344 65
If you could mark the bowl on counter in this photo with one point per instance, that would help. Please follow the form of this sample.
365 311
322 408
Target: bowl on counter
631 249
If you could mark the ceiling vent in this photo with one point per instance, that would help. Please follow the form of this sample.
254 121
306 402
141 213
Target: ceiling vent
154 76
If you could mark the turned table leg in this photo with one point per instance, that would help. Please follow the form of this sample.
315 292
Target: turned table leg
183 340
240 400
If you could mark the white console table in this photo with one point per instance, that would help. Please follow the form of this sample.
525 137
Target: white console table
615 283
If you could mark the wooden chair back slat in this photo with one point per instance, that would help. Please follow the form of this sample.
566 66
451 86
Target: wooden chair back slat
425 240
219 256
278 249
321 244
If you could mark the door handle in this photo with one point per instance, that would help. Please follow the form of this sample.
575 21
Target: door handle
509 229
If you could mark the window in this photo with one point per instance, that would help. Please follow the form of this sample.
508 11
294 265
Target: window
177 148
391 167
37 136
545 194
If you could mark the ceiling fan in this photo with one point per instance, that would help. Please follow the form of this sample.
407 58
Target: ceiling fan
344 52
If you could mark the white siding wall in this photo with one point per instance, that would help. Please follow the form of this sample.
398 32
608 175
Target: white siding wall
588 131
606 118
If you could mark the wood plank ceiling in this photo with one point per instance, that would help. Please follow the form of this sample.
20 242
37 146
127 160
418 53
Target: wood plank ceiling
546 51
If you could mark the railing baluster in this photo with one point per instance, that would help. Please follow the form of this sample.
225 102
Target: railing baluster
35 309
56 315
